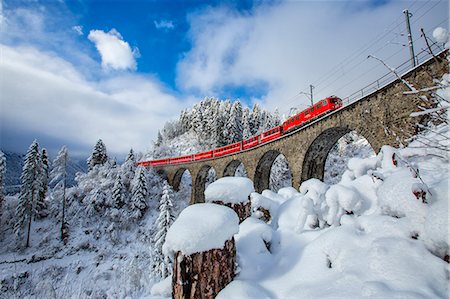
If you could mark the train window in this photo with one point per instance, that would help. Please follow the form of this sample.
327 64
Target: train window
312 109
298 117
319 105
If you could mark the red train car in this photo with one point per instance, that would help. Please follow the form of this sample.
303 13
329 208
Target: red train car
203 155
145 163
324 106
250 142
154 162
320 108
181 159
228 149
271 134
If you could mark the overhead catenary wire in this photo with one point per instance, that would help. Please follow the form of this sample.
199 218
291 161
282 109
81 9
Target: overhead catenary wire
370 44
363 54
358 57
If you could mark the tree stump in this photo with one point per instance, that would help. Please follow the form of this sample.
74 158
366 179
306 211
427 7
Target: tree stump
203 275
243 209
263 214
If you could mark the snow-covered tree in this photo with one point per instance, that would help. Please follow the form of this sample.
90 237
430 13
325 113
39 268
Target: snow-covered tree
2 180
159 139
128 170
58 177
246 132
280 174
140 192
255 119
44 181
233 127
31 186
99 155
161 266
118 193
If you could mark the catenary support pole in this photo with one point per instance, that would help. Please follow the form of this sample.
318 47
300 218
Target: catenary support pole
410 41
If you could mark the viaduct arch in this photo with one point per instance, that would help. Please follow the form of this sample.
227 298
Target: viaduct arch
382 117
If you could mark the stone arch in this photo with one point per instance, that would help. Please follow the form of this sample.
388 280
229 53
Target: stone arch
261 178
230 169
316 155
200 184
177 178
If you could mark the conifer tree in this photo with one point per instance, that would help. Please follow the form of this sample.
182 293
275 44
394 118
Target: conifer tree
161 264
246 133
140 192
2 180
99 155
128 170
234 123
29 191
255 120
159 139
44 181
276 118
58 176
118 193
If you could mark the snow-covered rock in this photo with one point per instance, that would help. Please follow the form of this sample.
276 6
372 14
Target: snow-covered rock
229 190
201 227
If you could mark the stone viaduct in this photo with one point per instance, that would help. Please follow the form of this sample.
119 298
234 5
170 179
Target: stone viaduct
382 117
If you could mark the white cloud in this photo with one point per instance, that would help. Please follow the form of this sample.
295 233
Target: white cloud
78 29
115 52
164 24
288 45
44 93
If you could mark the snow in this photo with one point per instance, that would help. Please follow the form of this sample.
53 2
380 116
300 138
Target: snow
260 201
229 190
162 288
440 35
201 227
384 240
243 289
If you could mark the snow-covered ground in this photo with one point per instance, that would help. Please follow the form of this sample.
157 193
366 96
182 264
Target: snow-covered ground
381 232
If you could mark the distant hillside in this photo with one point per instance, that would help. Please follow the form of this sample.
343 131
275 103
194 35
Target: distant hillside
14 165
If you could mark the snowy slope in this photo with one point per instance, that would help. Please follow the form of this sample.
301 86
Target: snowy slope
369 235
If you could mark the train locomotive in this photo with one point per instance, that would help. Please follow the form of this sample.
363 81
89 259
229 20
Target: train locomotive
293 123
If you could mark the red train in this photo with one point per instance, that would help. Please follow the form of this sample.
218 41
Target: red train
294 122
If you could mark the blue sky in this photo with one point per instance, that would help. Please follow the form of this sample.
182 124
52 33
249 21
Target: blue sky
76 71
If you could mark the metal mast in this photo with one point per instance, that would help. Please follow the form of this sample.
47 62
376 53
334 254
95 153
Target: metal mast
410 41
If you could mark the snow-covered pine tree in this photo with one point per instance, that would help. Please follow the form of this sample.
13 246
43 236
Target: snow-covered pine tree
159 139
128 170
118 193
140 192
234 123
40 203
255 119
29 191
161 266
223 115
280 174
99 155
246 133
276 117
58 178
2 181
